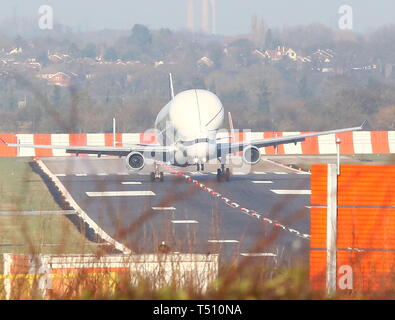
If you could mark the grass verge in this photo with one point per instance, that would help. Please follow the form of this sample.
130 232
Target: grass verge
22 189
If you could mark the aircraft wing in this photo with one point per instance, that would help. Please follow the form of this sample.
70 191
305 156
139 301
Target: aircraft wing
259 143
99 150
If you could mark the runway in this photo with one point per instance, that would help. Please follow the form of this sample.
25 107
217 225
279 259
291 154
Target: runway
141 214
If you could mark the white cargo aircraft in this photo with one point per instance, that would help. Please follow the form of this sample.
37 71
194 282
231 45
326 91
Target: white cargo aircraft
187 128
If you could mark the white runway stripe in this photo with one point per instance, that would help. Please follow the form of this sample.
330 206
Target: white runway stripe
195 173
239 173
291 191
223 241
163 208
262 182
184 221
120 194
60 175
259 172
81 174
102 174
280 172
131 182
123 174
263 254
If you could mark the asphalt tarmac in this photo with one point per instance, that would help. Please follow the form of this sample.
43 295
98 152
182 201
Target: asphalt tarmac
141 214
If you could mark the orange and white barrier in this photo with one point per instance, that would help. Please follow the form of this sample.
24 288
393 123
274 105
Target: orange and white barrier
352 246
357 142
66 276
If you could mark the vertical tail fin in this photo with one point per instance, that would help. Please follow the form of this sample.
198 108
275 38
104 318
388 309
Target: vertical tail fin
231 128
171 86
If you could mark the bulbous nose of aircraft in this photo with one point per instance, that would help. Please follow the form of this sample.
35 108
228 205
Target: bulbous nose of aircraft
192 111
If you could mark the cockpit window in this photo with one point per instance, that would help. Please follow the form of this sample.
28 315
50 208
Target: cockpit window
191 142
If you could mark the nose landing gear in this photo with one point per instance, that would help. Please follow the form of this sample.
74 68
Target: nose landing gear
156 174
223 174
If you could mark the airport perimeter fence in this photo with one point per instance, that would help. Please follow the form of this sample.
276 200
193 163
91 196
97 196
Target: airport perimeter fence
353 229
357 142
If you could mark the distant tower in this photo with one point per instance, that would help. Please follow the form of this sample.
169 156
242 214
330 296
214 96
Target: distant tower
208 16
205 16
191 15
213 16
258 31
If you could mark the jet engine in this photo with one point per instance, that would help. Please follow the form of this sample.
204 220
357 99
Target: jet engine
251 155
135 161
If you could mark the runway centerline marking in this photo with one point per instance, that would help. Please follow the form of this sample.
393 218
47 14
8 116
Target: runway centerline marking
262 254
196 173
291 191
184 221
102 174
81 174
163 208
131 182
279 172
261 182
239 173
223 241
259 172
60 175
120 194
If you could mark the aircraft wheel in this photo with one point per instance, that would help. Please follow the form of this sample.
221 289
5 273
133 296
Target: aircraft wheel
219 175
227 174
161 176
152 176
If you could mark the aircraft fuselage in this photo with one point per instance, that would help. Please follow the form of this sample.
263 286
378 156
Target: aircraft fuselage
190 122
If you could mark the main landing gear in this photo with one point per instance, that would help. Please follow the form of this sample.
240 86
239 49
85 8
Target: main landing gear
223 174
199 166
156 174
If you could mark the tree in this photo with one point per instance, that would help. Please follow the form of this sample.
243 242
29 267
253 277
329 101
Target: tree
56 97
263 97
111 54
19 42
215 53
74 50
269 40
141 36
128 55
308 38
42 58
385 118
89 51
303 87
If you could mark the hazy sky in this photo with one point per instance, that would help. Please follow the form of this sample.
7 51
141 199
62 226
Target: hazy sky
233 16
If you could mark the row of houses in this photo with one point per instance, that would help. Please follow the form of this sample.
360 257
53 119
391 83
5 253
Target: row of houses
321 60
282 52
60 79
